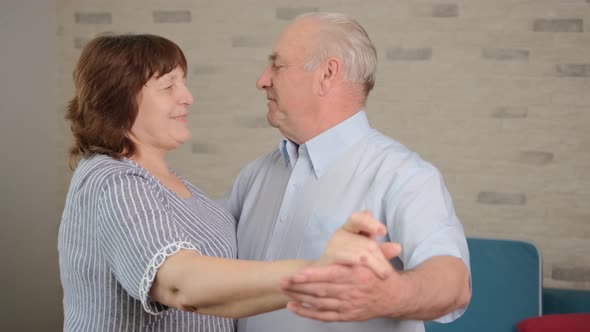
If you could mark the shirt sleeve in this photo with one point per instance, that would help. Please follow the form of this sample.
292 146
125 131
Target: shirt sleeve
137 233
424 222
233 200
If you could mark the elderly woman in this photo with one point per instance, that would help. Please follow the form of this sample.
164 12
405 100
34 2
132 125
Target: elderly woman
140 248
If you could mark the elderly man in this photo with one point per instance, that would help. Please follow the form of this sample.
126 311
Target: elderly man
331 163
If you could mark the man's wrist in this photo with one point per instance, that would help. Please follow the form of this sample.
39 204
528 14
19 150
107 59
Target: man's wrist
401 295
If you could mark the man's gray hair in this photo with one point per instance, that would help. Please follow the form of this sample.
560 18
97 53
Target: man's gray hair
343 37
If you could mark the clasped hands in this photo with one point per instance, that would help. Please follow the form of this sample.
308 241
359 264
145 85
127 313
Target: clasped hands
349 282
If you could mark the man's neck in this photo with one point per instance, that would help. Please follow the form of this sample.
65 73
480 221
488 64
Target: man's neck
325 123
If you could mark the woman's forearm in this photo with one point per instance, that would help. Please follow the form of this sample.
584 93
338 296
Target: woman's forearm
222 287
238 288
246 307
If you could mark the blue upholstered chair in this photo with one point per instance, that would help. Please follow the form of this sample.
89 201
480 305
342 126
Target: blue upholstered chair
506 287
565 301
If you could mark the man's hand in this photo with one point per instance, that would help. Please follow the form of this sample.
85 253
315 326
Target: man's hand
340 293
354 244
331 293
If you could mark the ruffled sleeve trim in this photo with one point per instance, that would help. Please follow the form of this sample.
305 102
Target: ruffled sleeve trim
149 275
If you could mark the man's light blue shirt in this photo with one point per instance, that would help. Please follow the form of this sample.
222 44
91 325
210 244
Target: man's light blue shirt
289 202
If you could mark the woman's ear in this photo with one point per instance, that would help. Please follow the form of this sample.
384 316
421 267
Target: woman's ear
330 73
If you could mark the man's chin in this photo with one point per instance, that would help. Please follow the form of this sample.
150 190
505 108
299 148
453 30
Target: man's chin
272 120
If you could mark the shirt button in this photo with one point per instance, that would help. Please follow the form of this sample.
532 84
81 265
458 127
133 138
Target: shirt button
282 219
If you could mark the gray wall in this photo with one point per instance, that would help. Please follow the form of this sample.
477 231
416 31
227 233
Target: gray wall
31 293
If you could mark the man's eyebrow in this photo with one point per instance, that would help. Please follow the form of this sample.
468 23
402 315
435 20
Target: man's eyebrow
273 57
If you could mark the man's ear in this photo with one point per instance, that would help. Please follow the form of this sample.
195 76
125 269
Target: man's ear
330 74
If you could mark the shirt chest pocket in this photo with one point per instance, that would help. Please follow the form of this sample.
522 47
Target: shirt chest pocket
317 233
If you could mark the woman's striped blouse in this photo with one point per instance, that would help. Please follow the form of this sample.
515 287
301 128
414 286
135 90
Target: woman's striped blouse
118 226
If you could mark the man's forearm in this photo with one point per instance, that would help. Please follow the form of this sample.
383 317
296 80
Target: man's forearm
435 288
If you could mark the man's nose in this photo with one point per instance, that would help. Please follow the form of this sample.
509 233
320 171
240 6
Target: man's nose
264 81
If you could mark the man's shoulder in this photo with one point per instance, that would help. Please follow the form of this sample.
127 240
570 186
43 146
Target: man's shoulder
266 160
389 153
387 144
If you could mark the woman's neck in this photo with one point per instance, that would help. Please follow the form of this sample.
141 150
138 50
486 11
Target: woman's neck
154 163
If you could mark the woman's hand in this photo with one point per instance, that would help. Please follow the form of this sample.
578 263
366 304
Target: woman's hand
355 243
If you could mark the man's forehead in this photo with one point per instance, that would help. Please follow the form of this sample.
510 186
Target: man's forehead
301 29
294 41
292 46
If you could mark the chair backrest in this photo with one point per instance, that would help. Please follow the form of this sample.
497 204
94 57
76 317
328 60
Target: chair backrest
565 301
506 287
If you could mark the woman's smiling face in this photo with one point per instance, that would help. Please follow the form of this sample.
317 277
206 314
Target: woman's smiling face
163 104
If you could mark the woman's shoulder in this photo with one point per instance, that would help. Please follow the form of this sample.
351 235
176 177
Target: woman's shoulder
102 169
107 165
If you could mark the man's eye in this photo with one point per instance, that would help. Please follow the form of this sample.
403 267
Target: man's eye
168 87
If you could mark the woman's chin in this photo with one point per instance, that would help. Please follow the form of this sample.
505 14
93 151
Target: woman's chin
179 141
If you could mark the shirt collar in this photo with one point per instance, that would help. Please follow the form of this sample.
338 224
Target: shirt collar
289 151
329 145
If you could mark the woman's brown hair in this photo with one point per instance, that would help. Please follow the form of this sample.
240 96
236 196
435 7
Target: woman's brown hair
110 73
